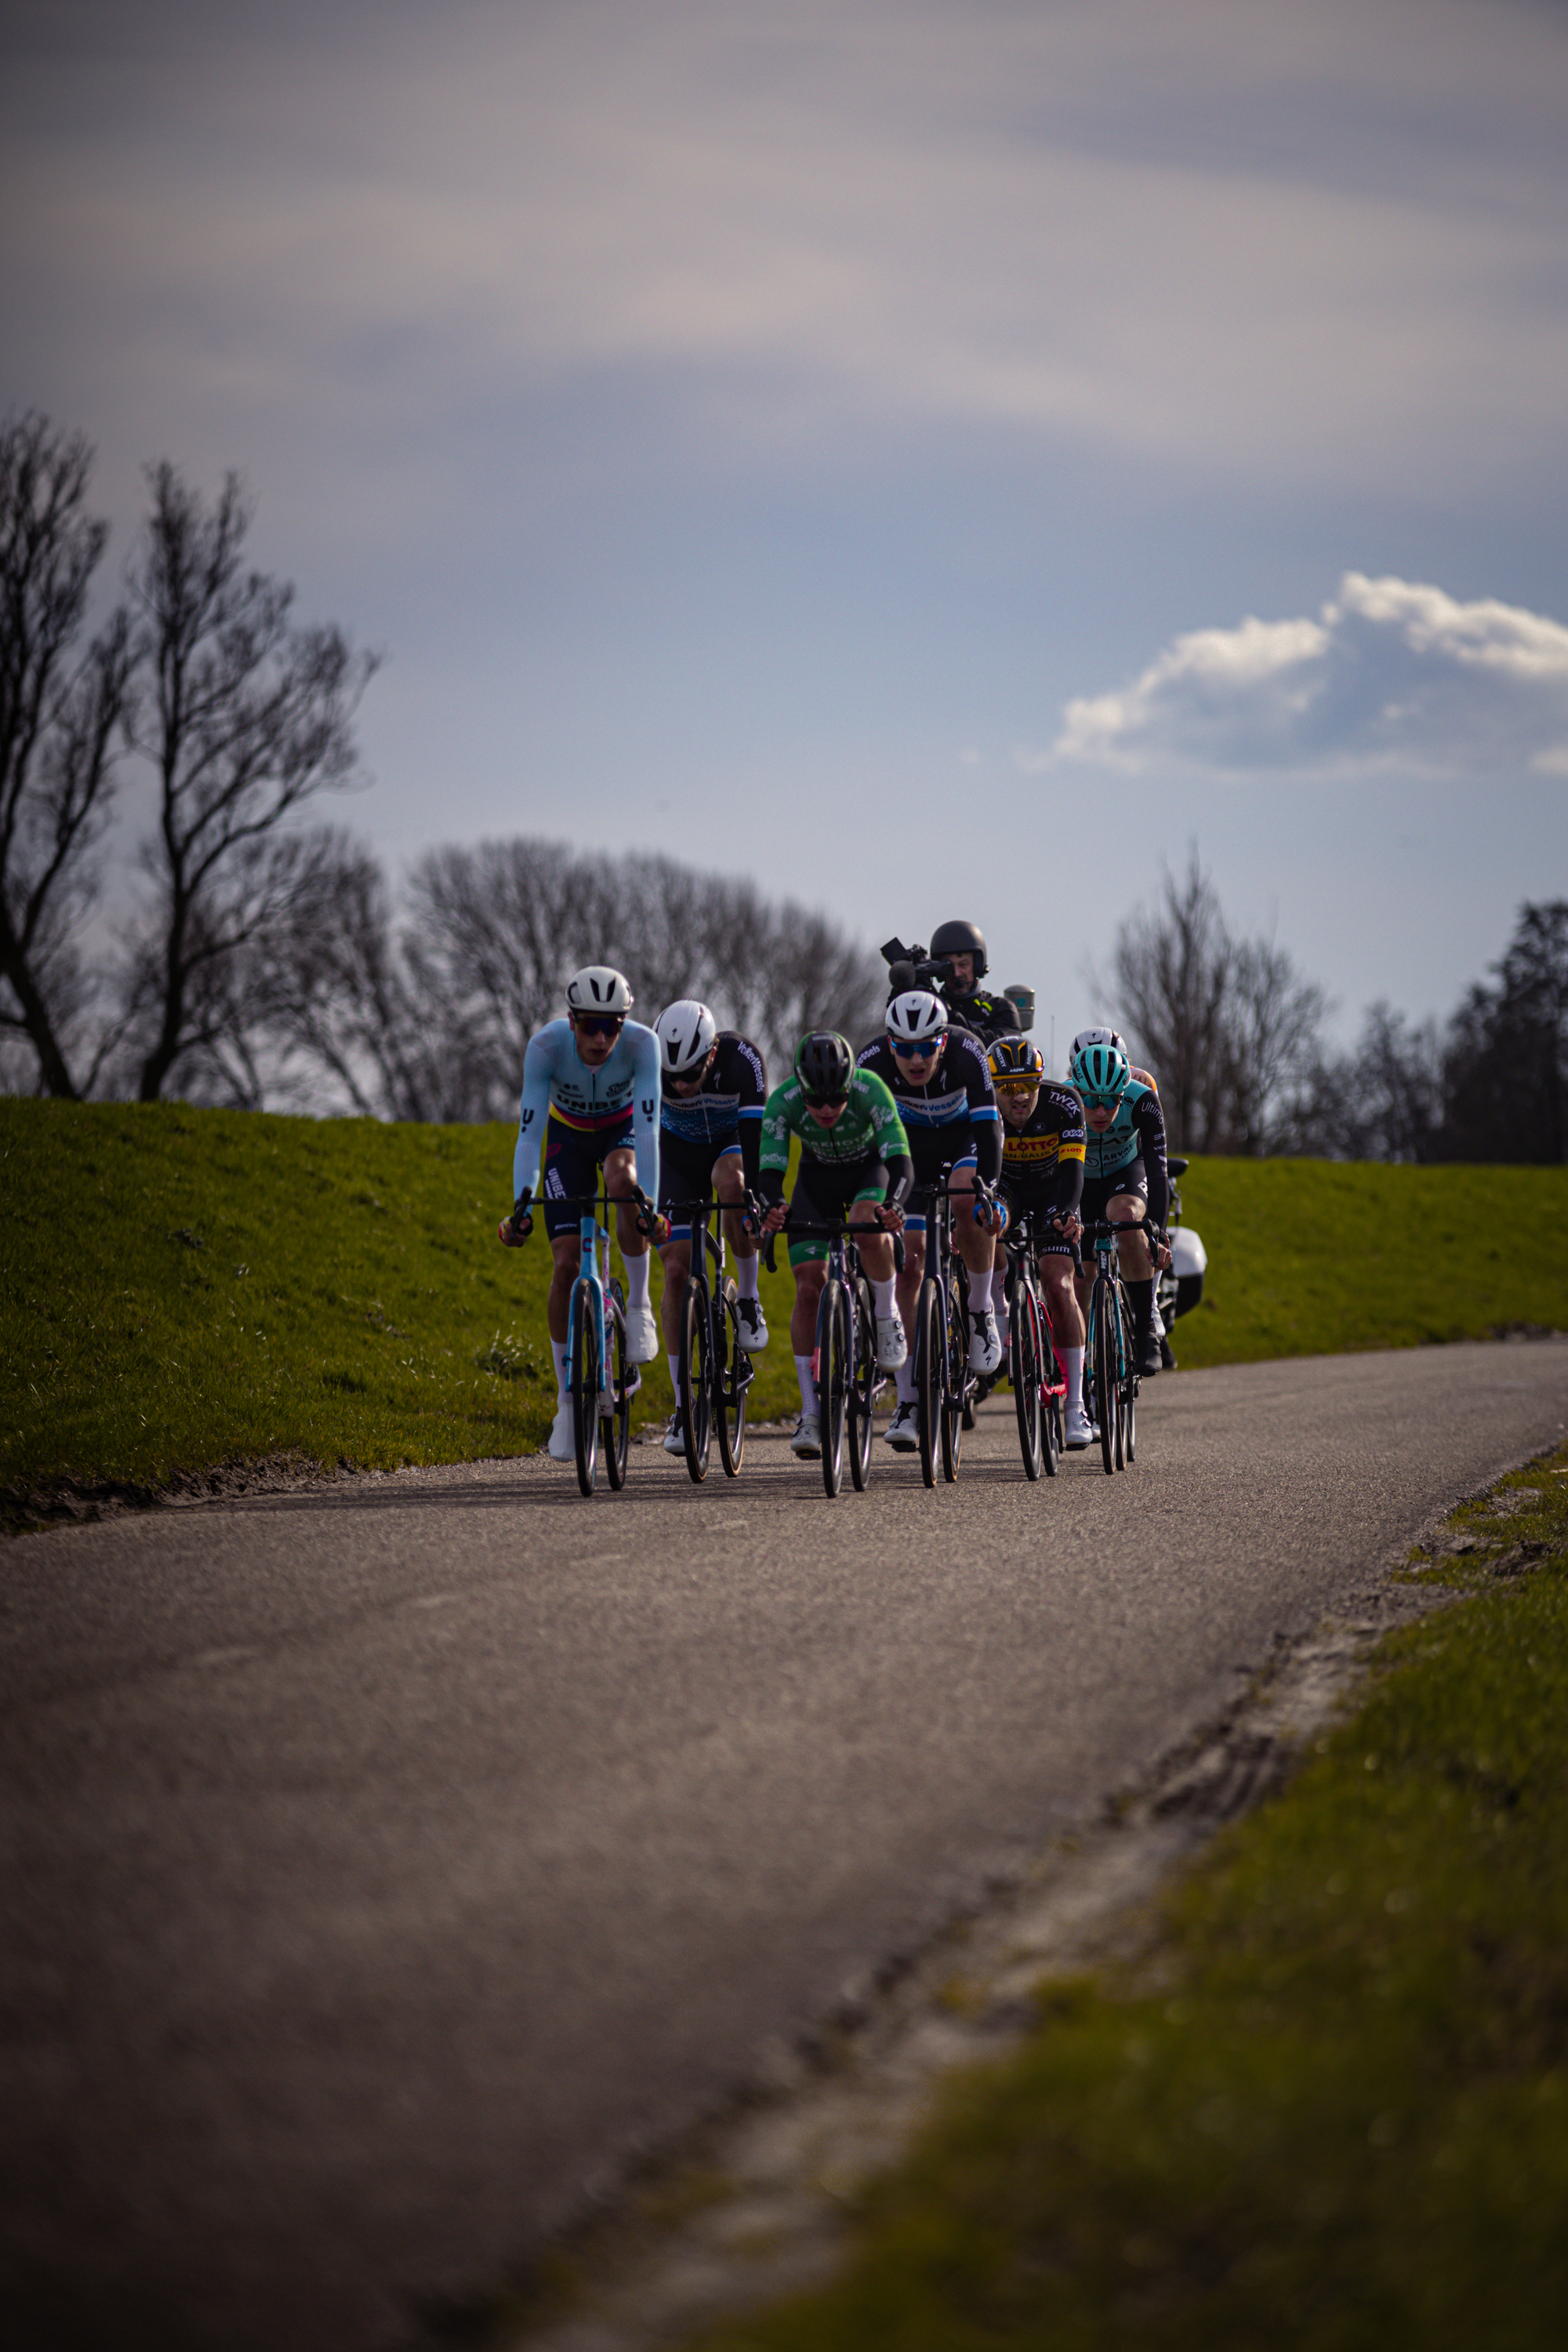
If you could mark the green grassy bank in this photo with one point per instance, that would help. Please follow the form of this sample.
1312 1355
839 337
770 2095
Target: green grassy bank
1328 2110
185 1288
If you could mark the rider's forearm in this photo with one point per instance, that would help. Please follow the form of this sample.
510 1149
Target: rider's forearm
751 1150
771 1185
987 1134
901 1177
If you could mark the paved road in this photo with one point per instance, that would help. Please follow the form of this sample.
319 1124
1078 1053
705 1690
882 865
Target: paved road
379 1860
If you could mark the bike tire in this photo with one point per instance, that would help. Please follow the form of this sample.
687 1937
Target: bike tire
583 1361
862 1385
617 1421
1024 1373
696 1398
929 1350
833 1381
956 1376
1127 1430
1102 1308
732 1377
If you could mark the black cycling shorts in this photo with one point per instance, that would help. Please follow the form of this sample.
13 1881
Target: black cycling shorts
1027 1200
1100 1190
825 1190
933 1148
572 1161
685 1172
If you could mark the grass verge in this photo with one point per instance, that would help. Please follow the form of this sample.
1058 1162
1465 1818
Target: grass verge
183 1289
1329 2106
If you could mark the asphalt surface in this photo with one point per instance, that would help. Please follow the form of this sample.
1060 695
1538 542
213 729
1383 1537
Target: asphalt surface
379 1862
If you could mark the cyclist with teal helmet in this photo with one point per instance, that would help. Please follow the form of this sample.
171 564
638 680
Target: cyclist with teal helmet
854 1162
1125 1178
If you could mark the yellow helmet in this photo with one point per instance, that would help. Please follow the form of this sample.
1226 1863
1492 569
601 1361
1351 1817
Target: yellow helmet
1016 1062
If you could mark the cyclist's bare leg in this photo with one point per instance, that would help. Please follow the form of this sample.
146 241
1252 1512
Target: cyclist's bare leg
566 1251
729 1184
620 1175
875 1248
910 1279
809 1278
1129 1209
977 1249
676 1259
1062 1301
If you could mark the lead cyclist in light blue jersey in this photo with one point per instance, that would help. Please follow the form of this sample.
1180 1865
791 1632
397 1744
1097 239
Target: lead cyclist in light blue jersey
590 1093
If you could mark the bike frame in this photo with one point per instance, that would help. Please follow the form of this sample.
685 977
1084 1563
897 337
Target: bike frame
1022 1244
1108 1354
941 1391
717 1318
591 1313
859 1350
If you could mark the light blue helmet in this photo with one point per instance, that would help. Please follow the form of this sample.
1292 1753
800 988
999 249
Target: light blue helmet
1101 1070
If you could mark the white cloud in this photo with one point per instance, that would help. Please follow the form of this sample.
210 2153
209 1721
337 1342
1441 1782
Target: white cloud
1391 675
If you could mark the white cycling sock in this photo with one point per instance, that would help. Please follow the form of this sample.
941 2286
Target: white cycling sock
674 1363
807 1385
636 1279
558 1349
979 1292
882 1291
746 1276
1072 1364
904 1381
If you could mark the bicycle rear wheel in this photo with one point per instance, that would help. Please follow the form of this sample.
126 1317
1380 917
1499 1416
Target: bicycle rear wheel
957 1376
833 1381
1128 1432
696 1398
1024 1372
584 1383
616 1402
862 1384
929 1356
731 1377
1101 1312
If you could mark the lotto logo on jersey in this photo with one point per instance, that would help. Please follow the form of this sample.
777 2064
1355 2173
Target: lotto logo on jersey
1018 1151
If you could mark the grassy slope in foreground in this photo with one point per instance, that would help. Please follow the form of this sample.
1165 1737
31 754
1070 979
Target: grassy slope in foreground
181 1288
1313 1258
184 1287
1328 2109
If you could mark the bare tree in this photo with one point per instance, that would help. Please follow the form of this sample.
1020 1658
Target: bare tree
243 716
1173 971
60 713
1270 1027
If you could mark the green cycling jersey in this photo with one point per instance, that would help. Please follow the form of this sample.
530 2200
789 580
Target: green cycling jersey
867 1128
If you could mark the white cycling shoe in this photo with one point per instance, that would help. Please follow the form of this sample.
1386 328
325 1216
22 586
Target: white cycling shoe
984 1346
753 1324
903 1431
1079 1430
808 1439
892 1346
562 1439
642 1335
674 1440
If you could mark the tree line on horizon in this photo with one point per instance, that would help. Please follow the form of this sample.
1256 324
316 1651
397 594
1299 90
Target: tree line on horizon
263 962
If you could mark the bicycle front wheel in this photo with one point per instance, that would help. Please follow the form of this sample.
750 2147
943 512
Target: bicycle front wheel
1024 1372
696 1399
616 1402
957 1375
583 1372
1102 1316
731 1377
1126 1389
833 1381
862 1384
930 1350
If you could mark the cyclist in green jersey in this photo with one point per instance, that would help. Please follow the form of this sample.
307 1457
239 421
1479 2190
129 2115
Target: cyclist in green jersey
854 1162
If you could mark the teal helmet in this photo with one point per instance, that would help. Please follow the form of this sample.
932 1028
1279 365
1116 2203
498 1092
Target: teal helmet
1102 1070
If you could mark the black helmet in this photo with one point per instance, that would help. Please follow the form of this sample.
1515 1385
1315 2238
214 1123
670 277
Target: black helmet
961 939
823 1064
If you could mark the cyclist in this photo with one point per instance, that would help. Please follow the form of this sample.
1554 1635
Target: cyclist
711 1134
937 1075
1125 1179
962 946
1113 1037
854 1159
1042 1171
590 1100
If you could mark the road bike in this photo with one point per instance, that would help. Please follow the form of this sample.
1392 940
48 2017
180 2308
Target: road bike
1033 1370
1110 1369
945 1385
601 1383
715 1369
846 1360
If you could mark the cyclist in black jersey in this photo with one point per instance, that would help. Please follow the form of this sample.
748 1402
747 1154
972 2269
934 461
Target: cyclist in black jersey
1042 1173
937 1075
711 1133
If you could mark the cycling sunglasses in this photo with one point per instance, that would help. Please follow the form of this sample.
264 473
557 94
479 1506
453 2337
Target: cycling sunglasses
598 1025
825 1102
915 1053
1103 1102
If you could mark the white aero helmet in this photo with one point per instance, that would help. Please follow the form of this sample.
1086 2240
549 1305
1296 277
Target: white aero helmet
1098 1037
917 1016
686 1031
598 989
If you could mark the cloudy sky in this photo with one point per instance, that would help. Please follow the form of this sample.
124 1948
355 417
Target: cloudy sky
938 456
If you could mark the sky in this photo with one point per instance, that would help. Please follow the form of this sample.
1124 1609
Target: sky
937 457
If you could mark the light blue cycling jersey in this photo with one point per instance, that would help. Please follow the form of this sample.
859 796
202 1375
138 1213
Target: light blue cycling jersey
557 1081
1136 1132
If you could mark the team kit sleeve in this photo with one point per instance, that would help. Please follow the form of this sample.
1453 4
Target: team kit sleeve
751 1073
773 1155
1072 1145
647 1104
890 1141
984 1121
1149 1121
538 1068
